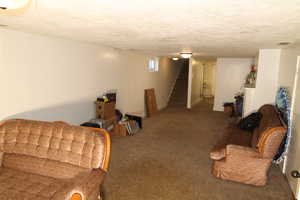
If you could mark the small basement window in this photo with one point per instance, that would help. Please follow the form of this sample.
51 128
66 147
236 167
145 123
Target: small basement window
153 64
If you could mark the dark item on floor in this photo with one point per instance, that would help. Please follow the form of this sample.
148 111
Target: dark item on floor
119 115
89 124
250 122
246 157
101 122
150 100
105 124
229 108
120 130
239 101
136 118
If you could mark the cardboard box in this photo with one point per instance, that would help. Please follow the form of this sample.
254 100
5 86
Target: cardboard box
120 130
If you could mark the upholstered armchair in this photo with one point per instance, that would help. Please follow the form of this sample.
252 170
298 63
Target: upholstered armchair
248 164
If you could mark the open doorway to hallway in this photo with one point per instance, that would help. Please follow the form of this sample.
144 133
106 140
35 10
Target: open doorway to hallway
180 90
208 85
201 84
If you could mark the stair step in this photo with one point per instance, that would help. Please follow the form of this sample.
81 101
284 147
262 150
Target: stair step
179 93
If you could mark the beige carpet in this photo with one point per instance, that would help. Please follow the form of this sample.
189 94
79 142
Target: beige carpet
169 160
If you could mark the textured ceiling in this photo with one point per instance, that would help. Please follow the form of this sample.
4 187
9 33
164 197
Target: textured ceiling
166 27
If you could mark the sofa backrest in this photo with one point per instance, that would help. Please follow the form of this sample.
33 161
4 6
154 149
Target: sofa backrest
270 133
270 119
59 142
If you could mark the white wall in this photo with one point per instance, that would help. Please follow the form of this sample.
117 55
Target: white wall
48 78
248 106
267 77
196 76
230 77
209 68
286 78
276 68
140 79
287 68
200 70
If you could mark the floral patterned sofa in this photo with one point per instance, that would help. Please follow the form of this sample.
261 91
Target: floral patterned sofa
246 157
51 160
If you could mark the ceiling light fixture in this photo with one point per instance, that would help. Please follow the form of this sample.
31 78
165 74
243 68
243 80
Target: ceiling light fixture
175 58
13 4
186 55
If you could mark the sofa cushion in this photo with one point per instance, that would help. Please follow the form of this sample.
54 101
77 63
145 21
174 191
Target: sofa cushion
231 135
44 167
18 185
239 137
54 141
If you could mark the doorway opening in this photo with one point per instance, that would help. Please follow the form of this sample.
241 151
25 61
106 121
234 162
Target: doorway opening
201 84
180 90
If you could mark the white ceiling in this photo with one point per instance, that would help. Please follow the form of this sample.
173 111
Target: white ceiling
166 27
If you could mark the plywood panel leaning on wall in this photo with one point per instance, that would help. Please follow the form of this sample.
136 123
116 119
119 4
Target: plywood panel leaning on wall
150 102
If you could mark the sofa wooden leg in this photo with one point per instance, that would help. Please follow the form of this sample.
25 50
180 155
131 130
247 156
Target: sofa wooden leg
102 192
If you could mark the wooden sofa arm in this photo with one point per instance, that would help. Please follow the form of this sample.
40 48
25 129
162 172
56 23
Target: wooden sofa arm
80 187
76 196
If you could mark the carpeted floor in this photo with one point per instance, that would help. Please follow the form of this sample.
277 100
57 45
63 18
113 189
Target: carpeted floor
169 160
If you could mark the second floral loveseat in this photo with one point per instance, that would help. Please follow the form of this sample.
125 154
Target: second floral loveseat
246 157
51 161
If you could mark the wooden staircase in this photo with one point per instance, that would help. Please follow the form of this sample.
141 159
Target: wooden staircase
179 93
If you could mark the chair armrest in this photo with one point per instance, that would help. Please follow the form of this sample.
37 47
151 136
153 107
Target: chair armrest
81 185
244 157
246 160
237 150
234 150
218 154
